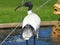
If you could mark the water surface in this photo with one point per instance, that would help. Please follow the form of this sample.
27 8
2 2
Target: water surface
44 38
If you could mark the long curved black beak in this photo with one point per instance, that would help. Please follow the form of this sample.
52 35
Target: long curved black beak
27 4
19 7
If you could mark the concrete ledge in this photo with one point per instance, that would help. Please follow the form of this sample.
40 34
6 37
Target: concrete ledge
43 23
46 23
6 28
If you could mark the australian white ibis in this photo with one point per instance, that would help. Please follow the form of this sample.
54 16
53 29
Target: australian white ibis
31 23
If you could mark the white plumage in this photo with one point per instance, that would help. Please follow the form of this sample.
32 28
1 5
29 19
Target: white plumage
33 20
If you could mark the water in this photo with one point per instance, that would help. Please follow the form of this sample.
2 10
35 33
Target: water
44 38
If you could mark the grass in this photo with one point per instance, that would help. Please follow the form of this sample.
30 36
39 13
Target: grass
8 15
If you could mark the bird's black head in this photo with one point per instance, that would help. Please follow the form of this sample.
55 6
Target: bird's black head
27 4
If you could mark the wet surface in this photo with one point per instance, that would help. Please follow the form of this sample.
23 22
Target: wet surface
44 38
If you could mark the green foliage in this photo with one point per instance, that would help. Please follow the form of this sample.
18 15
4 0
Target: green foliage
7 13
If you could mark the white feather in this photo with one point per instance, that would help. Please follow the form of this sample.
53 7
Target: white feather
32 19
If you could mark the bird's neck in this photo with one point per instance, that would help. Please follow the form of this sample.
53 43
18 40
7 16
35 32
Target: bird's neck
29 12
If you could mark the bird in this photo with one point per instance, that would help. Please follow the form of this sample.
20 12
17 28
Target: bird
31 23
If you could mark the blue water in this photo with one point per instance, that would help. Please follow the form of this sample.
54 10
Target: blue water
44 38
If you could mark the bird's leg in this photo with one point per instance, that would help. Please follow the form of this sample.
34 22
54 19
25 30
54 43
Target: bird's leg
37 35
26 42
34 40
